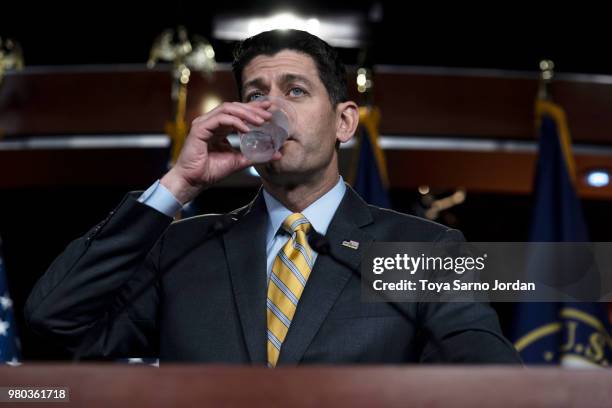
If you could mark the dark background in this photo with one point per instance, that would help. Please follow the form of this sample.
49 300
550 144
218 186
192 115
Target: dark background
499 35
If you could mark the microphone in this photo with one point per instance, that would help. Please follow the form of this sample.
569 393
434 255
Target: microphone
220 226
321 245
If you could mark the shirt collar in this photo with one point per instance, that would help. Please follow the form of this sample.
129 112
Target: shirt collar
319 213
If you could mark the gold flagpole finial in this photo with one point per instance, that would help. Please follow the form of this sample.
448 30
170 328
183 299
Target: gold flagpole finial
364 80
365 84
547 72
11 59
186 56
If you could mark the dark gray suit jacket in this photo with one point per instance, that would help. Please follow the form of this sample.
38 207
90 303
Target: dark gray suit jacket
207 302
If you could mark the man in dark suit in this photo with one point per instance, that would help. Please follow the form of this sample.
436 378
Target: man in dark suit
246 287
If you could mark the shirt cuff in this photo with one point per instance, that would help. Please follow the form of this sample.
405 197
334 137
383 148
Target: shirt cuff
159 198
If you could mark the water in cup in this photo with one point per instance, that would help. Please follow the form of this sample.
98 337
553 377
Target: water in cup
261 142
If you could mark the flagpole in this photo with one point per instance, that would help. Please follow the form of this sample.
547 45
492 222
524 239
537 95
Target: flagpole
547 73
185 55
11 58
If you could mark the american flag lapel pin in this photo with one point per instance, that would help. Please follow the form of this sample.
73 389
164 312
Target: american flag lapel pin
351 244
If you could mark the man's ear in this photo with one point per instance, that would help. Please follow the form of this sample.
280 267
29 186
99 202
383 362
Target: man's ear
347 121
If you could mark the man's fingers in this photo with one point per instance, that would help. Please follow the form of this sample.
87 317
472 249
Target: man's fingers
254 112
230 117
265 104
218 126
241 161
232 161
226 120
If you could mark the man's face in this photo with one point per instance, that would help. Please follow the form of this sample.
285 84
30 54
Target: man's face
310 148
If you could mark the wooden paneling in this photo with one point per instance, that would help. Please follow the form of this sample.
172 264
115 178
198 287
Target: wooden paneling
449 103
136 100
488 106
98 167
487 172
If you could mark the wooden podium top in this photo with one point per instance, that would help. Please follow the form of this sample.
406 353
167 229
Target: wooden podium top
316 386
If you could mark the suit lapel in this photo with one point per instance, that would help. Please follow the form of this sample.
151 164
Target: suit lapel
328 278
245 251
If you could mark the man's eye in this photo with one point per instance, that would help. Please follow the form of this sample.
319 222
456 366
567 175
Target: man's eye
296 92
254 96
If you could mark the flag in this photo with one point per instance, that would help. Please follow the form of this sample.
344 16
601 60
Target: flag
9 344
570 334
370 178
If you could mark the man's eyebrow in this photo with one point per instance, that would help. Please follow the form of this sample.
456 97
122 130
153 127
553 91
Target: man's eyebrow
255 83
284 79
288 78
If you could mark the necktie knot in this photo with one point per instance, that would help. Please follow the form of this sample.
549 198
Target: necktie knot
296 222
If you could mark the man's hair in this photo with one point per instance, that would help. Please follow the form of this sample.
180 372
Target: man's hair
331 69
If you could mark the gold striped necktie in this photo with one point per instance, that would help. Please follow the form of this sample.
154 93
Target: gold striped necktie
290 271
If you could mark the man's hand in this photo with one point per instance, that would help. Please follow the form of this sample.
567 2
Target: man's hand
207 155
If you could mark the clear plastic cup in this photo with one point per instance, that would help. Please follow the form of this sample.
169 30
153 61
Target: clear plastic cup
261 142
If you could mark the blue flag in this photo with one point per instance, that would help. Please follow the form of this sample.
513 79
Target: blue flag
9 346
571 334
370 175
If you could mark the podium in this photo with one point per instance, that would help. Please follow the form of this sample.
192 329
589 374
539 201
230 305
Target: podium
116 386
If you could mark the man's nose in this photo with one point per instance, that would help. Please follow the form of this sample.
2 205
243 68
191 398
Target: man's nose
276 92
